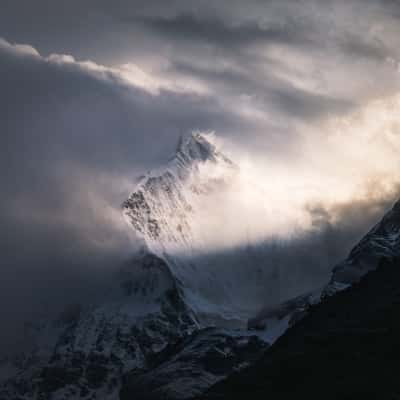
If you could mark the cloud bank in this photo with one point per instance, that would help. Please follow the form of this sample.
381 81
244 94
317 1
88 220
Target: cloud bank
303 95
74 138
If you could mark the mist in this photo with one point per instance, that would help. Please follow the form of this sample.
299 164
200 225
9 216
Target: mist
265 232
316 172
74 138
339 161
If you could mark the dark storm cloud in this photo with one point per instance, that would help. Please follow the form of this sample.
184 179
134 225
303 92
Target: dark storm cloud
215 31
73 139
308 105
242 35
73 136
270 93
360 48
389 8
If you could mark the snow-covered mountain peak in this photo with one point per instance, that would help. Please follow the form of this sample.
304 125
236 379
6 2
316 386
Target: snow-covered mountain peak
196 146
181 211
162 207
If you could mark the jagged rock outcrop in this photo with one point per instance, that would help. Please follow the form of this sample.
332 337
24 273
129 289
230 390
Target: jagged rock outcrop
187 368
161 208
86 352
382 242
167 209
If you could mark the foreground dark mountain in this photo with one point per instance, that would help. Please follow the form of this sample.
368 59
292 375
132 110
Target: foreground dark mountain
381 242
186 368
347 347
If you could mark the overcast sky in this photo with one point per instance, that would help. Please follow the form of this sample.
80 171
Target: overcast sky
94 92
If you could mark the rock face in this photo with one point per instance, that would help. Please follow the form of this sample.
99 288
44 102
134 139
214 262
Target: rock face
346 347
382 242
161 208
187 368
143 333
87 351
168 210
274 321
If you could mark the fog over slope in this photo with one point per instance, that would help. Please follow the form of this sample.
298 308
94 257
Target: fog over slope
75 135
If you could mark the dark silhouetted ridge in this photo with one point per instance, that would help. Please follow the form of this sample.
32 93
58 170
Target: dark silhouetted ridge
347 347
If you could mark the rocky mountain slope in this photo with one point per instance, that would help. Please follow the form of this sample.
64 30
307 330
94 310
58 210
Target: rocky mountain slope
162 207
382 242
145 329
86 352
173 322
346 347
188 367
168 210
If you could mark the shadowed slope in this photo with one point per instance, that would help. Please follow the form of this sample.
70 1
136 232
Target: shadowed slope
347 347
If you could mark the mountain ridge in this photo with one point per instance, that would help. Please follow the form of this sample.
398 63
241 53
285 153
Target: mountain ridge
176 322
346 347
381 242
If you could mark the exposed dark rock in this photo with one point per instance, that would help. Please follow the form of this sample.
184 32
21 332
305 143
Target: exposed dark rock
85 352
347 347
186 368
